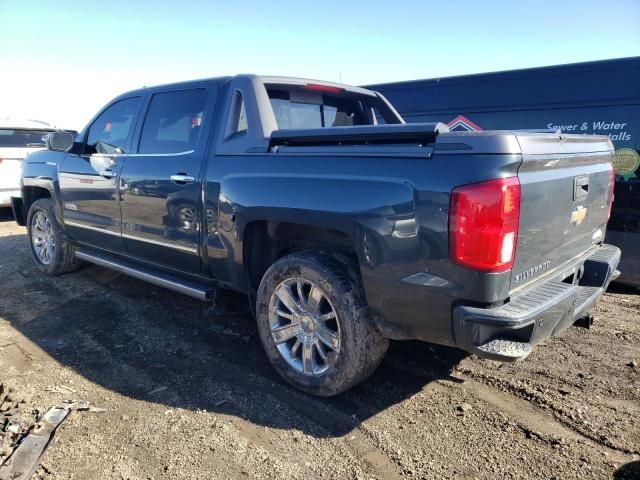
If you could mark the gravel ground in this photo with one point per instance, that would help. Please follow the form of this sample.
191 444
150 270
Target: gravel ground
190 395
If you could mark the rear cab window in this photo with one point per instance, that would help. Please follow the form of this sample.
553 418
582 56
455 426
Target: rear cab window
321 106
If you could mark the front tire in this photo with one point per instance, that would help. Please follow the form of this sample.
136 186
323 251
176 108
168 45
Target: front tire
315 326
50 249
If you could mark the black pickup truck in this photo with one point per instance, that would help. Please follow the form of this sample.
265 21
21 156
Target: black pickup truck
345 226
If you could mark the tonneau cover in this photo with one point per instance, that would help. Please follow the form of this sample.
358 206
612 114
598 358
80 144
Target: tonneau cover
421 133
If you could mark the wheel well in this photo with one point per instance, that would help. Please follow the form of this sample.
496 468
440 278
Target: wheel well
30 195
267 241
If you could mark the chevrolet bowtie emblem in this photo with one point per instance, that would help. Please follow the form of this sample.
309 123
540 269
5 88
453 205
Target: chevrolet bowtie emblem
578 215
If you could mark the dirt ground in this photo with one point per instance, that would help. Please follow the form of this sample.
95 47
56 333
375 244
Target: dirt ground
191 396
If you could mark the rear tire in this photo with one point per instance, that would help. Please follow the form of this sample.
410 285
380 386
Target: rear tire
49 246
321 338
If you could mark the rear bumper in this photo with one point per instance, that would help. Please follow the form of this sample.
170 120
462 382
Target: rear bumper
509 332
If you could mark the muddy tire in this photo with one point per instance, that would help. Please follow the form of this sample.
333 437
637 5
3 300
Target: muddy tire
315 326
50 249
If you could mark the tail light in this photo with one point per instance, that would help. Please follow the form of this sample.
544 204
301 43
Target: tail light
483 224
612 184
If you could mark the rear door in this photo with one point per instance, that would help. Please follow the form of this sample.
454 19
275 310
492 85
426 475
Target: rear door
89 176
161 181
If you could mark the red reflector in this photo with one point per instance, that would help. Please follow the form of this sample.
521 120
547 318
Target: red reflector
323 88
483 224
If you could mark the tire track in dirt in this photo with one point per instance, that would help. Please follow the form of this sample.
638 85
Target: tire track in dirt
534 420
530 396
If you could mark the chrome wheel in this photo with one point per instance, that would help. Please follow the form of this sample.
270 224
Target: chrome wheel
42 238
304 326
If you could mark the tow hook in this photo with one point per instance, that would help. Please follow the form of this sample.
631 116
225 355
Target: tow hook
585 321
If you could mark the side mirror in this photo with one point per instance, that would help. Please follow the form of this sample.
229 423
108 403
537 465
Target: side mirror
60 141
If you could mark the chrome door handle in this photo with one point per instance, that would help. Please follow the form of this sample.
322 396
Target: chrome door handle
107 173
182 179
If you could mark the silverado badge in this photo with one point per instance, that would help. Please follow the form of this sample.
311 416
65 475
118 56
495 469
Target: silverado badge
532 271
578 215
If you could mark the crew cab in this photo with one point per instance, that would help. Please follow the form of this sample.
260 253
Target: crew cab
344 226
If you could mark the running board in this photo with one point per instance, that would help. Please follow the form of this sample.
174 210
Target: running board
192 289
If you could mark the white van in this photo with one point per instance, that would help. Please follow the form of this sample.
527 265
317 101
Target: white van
17 139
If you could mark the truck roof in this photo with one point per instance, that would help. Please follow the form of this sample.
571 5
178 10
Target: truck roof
265 79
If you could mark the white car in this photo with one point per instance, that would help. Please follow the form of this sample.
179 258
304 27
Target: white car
17 139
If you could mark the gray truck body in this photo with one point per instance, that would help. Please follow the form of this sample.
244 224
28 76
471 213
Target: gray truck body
380 194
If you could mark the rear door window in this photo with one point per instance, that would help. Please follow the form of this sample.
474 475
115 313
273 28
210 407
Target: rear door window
172 123
242 125
22 138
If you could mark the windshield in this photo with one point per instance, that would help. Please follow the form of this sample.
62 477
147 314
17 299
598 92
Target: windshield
297 108
18 138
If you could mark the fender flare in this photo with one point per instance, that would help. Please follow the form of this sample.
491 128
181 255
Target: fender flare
42 175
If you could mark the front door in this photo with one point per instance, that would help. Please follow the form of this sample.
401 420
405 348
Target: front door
89 177
160 201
